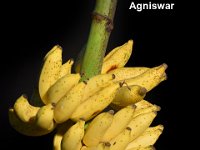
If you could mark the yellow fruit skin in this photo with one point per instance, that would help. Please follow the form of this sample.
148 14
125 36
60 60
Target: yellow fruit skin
120 121
61 87
72 138
24 110
121 141
147 138
50 71
149 79
44 117
96 103
25 128
118 57
67 105
61 130
127 72
96 83
97 128
66 68
140 123
129 95
143 148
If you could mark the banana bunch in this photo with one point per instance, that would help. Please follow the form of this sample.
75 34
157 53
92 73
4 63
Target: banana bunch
107 111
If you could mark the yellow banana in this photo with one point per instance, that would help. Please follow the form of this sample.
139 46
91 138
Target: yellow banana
143 148
61 130
100 146
97 128
118 57
50 71
139 111
66 68
129 95
61 87
44 117
119 123
97 82
121 141
147 138
149 79
24 110
127 72
140 123
73 137
96 103
143 104
25 128
66 106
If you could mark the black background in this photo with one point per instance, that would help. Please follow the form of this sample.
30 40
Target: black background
29 30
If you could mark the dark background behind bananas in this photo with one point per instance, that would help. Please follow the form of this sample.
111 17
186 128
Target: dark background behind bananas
30 29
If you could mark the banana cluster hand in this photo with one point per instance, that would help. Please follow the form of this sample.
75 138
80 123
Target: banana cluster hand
105 112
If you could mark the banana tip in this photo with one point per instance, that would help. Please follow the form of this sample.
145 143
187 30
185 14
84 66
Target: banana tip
142 91
165 65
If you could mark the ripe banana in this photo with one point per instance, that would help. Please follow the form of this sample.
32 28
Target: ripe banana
97 82
147 138
100 146
96 103
149 79
66 68
127 72
44 117
61 87
129 95
50 71
61 130
143 148
143 104
24 110
25 128
66 105
140 123
73 137
97 128
118 57
121 141
119 123
139 111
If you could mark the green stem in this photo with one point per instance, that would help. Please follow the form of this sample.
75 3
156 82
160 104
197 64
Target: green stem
101 27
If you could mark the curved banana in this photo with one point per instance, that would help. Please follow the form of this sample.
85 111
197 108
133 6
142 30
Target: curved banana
139 111
118 57
143 148
127 72
100 146
24 110
149 79
121 141
25 128
96 103
97 82
61 130
140 123
66 68
147 138
73 137
97 128
66 105
50 71
119 123
61 87
143 104
129 95
44 117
